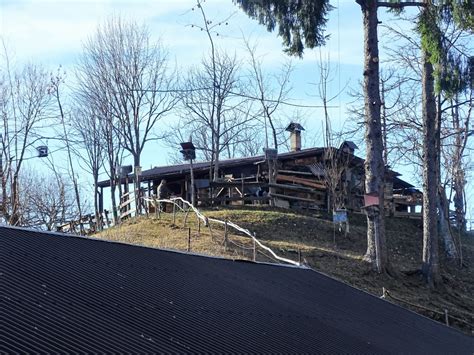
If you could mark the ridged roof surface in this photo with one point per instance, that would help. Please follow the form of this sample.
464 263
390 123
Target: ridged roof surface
69 294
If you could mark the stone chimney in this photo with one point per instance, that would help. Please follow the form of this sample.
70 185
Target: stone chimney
295 135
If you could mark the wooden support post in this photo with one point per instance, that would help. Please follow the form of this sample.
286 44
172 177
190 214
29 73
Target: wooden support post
107 218
174 213
225 236
146 206
446 317
210 231
243 187
199 227
254 249
186 217
189 239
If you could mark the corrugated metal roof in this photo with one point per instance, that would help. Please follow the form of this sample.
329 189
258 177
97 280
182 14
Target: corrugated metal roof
70 294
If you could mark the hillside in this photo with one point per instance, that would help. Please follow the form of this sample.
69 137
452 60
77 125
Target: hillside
311 238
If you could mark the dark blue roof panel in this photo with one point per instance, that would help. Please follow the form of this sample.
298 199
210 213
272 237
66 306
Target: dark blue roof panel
63 294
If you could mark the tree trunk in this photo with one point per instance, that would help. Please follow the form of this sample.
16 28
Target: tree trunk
113 200
374 167
458 173
443 226
15 201
98 215
138 195
430 260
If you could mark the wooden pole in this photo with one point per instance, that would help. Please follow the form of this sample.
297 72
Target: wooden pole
107 218
225 236
199 226
189 239
242 191
193 193
210 231
299 256
174 214
254 249
186 217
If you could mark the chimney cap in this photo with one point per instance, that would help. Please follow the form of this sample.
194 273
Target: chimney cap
294 127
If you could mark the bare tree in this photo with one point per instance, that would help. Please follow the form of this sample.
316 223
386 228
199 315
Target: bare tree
133 83
270 91
25 104
50 203
212 112
54 88
86 125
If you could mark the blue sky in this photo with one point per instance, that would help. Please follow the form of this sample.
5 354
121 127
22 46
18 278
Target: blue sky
51 32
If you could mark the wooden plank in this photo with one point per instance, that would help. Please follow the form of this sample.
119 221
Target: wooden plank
286 197
238 198
295 188
295 172
414 215
126 213
126 203
301 181
227 184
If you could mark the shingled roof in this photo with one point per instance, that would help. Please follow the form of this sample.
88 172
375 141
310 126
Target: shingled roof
63 294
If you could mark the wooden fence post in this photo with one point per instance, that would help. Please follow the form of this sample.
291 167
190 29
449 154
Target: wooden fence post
254 249
225 236
243 199
210 230
186 217
189 239
107 218
174 213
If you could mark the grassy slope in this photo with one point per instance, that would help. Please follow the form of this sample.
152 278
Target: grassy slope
287 232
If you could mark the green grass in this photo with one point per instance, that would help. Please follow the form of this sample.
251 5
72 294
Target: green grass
311 237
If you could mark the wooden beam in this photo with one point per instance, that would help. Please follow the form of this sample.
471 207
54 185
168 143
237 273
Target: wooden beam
238 198
295 198
295 188
302 181
227 184
295 172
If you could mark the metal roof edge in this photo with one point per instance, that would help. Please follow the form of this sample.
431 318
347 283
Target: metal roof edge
67 235
392 303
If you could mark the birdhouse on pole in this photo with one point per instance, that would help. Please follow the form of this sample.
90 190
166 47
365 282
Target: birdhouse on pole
42 151
188 150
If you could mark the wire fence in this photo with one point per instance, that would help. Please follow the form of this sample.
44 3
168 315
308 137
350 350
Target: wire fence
225 226
234 238
444 316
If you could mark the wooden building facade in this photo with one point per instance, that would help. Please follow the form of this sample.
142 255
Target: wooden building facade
302 179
